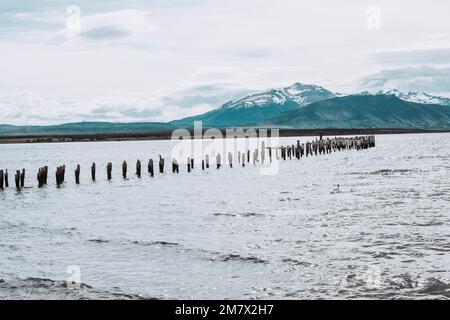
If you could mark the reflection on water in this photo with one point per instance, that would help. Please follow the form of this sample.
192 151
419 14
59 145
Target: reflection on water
231 233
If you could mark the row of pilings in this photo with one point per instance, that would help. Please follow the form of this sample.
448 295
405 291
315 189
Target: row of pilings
298 151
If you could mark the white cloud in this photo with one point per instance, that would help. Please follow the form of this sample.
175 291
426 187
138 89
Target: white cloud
422 79
29 108
129 27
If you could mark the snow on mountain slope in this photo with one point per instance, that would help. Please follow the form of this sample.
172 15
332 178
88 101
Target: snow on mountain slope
418 97
298 93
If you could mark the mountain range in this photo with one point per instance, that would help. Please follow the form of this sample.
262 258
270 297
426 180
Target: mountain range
300 106
259 107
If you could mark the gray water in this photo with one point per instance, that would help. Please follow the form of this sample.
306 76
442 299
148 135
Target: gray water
230 233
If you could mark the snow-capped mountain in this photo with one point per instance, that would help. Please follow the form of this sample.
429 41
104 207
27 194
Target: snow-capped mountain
299 99
418 97
299 93
260 106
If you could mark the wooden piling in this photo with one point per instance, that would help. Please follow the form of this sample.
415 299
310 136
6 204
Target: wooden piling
41 177
207 161
17 179
22 178
230 159
192 163
243 160
124 169
93 171
203 164
138 168
59 175
45 174
161 164
109 170
150 167
1 179
6 179
77 174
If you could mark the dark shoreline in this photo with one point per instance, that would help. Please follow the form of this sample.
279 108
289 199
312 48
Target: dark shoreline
166 135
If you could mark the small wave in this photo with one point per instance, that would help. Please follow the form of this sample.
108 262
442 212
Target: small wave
162 243
136 242
252 214
44 288
296 262
99 240
244 214
224 214
384 172
404 281
237 257
289 199
436 287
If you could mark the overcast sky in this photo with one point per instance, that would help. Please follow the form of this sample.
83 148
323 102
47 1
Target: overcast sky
157 60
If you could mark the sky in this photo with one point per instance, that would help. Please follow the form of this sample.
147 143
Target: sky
158 60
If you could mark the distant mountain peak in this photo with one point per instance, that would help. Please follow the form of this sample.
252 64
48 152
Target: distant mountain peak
418 97
296 95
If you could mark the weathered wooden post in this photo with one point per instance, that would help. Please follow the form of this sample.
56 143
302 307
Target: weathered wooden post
1 179
22 178
270 154
17 179
45 174
138 168
192 163
207 161
150 167
77 174
161 164
109 170
188 165
243 160
124 169
93 171
248 155
58 176
203 164
6 179
41 177
239 157
230 159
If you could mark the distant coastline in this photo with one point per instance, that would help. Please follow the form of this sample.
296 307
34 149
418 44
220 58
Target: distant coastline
166 135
